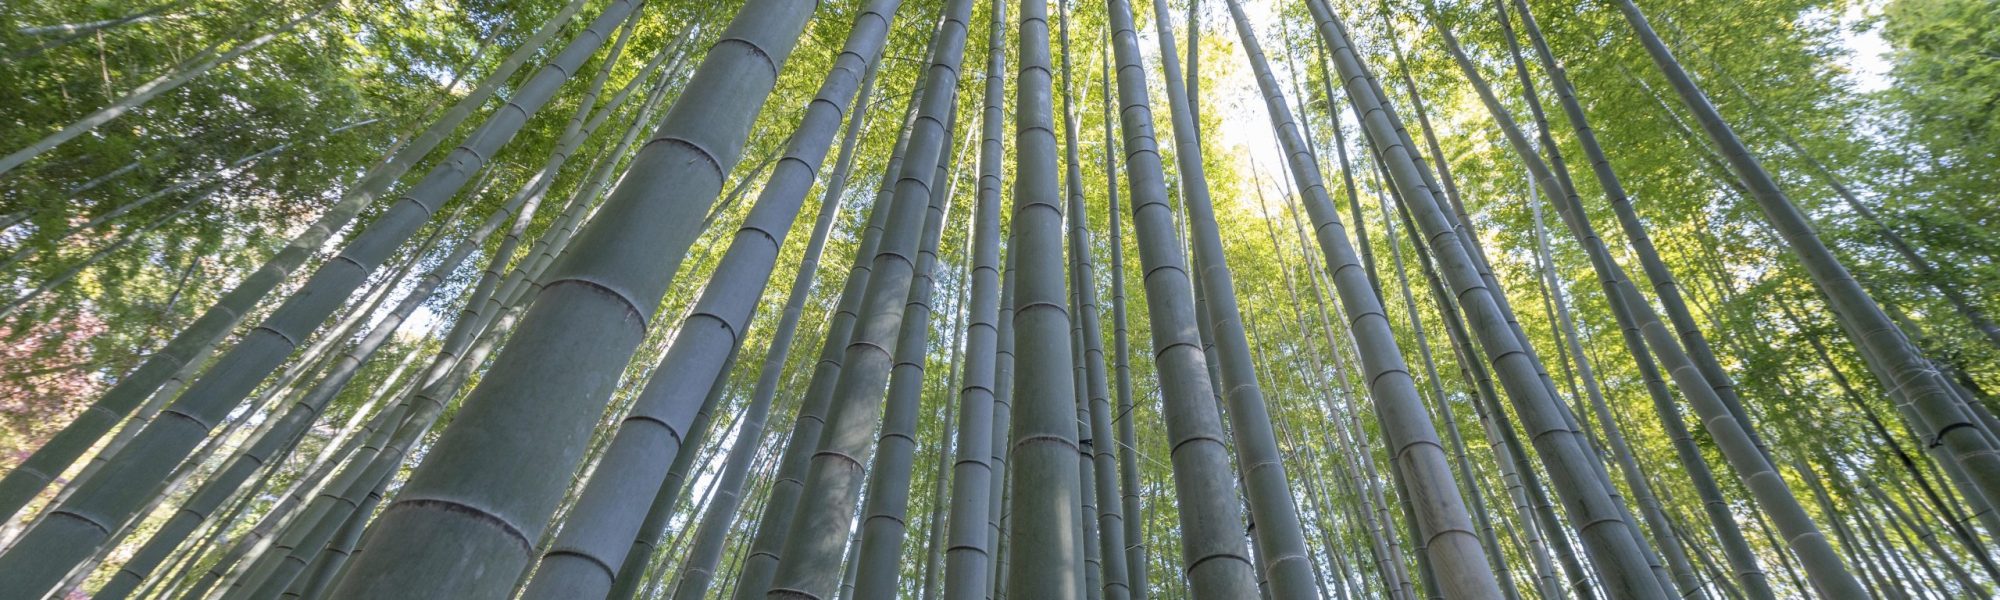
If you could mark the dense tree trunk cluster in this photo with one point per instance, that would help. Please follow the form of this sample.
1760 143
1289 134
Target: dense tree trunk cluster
576 378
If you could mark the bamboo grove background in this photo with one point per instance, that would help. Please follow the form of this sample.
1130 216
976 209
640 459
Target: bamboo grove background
237 128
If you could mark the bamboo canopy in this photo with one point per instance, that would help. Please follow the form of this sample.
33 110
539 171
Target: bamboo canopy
980 299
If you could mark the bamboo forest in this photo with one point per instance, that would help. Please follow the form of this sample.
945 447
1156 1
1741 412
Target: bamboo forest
986 299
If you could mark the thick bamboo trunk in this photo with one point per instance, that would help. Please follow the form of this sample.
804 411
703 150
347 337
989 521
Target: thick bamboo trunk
890 477
1446 531
831 483
1213 553
760 563
1043 466
970 541
1093 400
705 553
606 517
1922 395
597 301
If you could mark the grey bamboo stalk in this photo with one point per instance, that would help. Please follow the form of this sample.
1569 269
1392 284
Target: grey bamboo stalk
1425 569
165 441
1213 554
304 410
582 124
761 561
1192 77
1667 540
1094 431
201 336
1382 549
666 501
1922 395
969 550
1280 539
1121 357
179 75
699 140
499 291
706 551
1537 497
1452 544
1618 555
1822 563
1476 502
1003 441
1042 466
600 527
1456 215
885 511
1736 549
830 489
460 354
1662 278
1921 267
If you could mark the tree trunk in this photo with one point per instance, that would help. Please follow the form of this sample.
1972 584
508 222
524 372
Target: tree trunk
1093 402
1043 467
970 544
782 500
1923 396
1216 560
830 490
